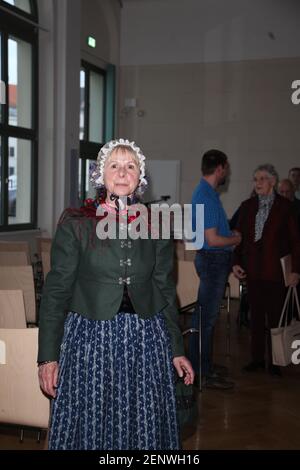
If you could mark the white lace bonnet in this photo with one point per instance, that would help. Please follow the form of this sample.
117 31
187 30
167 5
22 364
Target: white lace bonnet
97 172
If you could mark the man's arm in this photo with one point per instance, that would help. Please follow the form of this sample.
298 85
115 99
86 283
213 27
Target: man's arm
215 240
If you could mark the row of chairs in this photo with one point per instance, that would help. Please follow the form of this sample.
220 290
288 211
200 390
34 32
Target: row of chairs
17 289
17 253
17 279
22 402
12 309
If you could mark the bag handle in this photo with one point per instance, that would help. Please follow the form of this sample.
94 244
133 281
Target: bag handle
284 309
284 314
295 298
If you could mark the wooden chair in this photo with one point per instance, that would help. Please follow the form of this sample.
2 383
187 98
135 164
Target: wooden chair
232 291
179 249
181 253
189 255
187 285
12 309
22 401
43 244
20 278
13 258
14 253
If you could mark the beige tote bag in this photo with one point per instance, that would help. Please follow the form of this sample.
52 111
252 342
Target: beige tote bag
284 336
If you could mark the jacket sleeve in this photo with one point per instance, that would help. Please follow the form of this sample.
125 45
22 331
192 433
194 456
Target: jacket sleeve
163 276
238 252
294 240
57 291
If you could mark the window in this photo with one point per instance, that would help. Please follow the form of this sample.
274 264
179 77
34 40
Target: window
96 120
18 118
27 7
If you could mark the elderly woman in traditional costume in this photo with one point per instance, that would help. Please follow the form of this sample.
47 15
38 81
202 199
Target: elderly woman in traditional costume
109 339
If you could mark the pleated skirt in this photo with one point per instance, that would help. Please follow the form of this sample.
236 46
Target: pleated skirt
116 386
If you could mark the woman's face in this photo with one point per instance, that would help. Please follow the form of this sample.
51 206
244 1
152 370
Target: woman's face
121 173
263 183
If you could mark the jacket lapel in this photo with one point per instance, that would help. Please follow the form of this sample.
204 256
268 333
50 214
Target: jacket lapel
272 216
251 219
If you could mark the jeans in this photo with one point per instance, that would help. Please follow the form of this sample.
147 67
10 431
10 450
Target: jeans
213 268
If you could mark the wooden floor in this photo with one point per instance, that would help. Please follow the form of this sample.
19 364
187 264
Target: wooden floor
262 412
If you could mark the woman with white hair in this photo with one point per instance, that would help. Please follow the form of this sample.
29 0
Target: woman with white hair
269 231
109 339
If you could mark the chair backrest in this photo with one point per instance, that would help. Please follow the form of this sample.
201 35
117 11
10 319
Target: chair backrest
15 247
187 282
13 258
12 309
179 249
44 244
22 401
181 253
189 255
20 278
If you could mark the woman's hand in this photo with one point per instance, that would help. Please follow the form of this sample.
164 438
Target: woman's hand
238 271
48 373
184 368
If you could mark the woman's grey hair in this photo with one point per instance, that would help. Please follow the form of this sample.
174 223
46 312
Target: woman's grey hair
268 168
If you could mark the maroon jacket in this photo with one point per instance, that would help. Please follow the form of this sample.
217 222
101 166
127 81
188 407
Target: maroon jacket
261 259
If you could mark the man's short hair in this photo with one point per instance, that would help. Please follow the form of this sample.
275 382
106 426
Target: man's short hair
211 160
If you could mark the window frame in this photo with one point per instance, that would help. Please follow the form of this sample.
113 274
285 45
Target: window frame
86 146
33 16
11 25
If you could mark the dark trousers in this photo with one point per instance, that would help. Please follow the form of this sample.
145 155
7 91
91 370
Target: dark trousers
213 268
266 300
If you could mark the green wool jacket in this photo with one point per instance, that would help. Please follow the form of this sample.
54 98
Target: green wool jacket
88 275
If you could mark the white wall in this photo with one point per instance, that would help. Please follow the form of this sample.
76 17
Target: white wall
206 75
59 65
101 19
62 45
192 31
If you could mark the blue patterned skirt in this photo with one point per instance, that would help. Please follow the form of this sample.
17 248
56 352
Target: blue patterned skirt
116 386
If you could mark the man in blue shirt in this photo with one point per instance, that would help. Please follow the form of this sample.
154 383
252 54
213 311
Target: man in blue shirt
212 262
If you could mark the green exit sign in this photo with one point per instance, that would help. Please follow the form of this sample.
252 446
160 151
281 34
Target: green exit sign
91 41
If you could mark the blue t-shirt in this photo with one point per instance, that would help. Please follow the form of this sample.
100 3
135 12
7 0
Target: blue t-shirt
214 214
